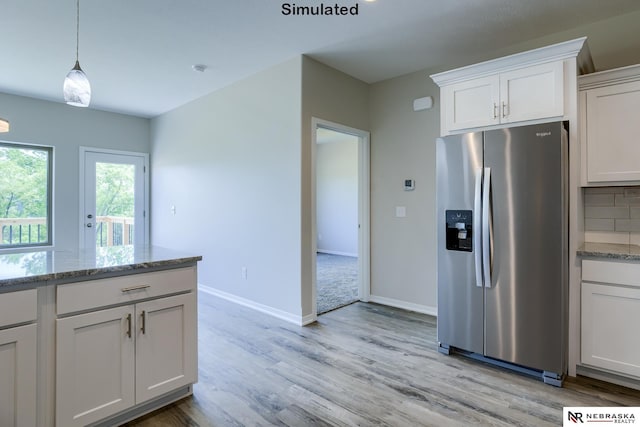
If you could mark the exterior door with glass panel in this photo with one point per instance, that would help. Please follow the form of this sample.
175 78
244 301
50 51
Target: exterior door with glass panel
114 199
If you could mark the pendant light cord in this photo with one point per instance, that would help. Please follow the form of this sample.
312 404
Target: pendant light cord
77 29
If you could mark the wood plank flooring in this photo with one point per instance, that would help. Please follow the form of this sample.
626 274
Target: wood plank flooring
361 365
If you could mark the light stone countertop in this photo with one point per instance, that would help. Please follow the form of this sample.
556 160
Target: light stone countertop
28 268
610 251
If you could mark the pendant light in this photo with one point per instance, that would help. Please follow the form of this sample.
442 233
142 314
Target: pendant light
77 90
4 125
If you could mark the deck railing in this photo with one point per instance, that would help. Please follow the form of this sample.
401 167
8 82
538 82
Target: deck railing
114 230
110 231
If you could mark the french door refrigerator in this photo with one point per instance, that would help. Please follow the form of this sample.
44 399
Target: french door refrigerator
502 213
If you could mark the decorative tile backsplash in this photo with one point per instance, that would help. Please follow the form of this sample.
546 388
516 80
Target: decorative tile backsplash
612 214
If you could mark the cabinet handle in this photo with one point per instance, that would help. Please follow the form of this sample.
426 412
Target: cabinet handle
495 110
143 326
135 288
129 325
504 109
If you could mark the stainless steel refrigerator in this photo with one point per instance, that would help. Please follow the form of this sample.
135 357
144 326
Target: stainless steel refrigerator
502 213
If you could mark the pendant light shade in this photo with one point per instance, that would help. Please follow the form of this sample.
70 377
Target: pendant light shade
76 88
4 125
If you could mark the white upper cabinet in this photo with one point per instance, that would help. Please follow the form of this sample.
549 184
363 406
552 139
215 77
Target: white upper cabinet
532 93
610 108
472 103
524 87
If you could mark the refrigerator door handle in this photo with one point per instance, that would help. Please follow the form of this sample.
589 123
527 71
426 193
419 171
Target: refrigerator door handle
477 228
486 237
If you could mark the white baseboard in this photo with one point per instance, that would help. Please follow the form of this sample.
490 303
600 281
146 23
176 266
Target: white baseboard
280 314
326 251
418 308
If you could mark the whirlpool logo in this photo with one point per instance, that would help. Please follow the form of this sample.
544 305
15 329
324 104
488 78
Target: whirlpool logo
543 134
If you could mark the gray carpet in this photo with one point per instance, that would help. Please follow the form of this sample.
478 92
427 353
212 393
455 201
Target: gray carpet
337 281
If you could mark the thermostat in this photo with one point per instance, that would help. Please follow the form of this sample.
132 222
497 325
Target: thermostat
409 184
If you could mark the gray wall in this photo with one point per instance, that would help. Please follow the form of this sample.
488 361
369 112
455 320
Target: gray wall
330 95
230 164
67 128
403 250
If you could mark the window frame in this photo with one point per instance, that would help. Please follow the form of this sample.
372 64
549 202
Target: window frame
50 164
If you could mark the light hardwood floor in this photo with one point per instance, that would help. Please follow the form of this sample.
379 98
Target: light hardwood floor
361 365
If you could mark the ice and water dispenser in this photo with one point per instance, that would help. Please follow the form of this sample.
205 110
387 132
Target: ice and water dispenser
459 230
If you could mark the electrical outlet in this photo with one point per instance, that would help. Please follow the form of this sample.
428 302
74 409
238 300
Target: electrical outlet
243 273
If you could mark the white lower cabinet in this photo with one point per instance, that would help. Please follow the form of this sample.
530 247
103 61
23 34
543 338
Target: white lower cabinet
18 376
610 317
110 360
18 350
95 362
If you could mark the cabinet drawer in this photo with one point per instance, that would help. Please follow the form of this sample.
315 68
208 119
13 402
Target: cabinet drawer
18 307
90 294
621 272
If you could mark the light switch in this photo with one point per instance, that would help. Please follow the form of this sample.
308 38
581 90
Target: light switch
401 211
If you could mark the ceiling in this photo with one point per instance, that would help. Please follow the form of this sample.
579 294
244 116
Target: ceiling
138 53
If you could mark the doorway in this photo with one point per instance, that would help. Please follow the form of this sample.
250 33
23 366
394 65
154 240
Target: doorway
114 198
341 227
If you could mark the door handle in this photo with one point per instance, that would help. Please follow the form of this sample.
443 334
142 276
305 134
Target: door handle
129 325
143 321
477 229
486 236
495 110
504 110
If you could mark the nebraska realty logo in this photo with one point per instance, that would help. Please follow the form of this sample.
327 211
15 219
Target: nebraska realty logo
322 9
602 416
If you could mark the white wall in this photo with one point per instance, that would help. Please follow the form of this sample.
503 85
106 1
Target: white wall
230 164
337 196
66 128
403 250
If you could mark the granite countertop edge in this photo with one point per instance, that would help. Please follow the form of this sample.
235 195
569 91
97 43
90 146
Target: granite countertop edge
94 271
614 251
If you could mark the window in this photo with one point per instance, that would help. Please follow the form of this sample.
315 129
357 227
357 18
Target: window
25 195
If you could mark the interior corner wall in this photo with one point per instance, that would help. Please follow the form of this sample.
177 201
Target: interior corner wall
330 95
66 128
230 164
403 249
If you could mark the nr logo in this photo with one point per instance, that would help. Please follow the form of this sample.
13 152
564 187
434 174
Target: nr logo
575 417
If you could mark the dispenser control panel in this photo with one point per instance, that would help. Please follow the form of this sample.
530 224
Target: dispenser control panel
459 230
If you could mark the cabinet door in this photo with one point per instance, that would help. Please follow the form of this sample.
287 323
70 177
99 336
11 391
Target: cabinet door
532 93
613 144
18 376
166 345
471 104
94 365
610 319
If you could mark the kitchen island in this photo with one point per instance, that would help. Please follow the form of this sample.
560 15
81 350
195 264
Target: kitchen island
95 337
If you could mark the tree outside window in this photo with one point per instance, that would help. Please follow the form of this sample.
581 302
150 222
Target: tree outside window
25 195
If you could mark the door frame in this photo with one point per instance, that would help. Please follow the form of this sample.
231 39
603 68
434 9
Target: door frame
364 207
145 157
